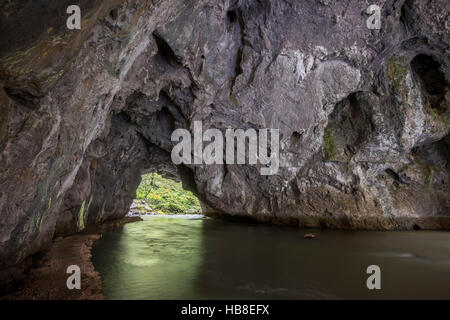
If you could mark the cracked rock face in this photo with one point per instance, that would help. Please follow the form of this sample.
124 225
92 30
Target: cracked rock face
363 114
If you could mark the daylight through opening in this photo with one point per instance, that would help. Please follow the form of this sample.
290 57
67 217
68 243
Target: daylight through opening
157 195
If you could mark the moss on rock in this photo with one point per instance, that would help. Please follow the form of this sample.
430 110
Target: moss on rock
330 145
396 72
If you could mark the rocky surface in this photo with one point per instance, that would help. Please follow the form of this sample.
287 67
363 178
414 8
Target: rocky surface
363 114
47 278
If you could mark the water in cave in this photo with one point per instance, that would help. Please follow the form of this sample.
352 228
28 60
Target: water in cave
185 257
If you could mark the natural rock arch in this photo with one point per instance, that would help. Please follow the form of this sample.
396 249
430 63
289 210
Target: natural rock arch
84 113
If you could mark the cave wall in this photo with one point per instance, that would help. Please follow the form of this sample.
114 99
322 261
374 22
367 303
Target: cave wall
363 114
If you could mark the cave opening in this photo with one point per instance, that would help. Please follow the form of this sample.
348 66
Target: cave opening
349 127
433 82
161 194
232 16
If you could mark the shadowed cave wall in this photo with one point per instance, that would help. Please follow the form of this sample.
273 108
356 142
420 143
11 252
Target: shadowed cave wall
363 114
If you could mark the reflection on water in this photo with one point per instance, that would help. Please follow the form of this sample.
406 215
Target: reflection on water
192 258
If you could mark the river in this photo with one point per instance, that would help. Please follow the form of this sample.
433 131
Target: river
190 257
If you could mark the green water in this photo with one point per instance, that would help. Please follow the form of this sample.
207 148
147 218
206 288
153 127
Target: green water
181 258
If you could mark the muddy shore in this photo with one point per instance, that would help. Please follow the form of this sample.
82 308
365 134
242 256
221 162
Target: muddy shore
47 278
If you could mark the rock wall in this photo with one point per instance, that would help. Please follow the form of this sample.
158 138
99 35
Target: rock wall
363 114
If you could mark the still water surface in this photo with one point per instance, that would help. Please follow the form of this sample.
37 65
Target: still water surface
187 257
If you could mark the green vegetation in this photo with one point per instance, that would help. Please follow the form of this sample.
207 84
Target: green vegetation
396 73
157 195
330 145
440 118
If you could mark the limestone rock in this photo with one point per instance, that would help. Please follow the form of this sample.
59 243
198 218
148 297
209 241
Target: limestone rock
363 114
